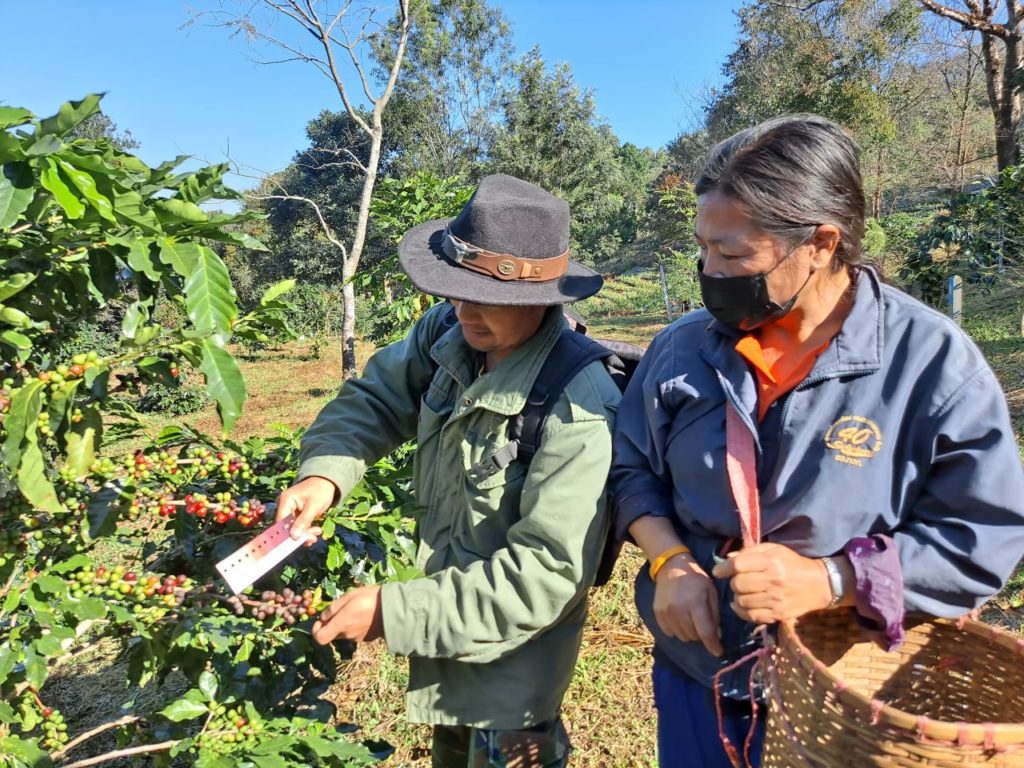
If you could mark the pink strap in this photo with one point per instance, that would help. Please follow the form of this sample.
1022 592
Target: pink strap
741 463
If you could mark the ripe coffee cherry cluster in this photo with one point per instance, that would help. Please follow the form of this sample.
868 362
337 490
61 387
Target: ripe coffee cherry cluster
288 604
224 508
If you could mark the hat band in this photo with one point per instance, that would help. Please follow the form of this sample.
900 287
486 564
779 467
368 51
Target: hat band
503 266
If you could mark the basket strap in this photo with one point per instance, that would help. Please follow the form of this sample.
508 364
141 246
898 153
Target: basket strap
741 465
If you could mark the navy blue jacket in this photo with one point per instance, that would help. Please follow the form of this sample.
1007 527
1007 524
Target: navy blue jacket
901 428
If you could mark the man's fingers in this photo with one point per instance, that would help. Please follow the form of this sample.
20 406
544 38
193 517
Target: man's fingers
286 505
325 632
332 610
301 528
313 533
329 625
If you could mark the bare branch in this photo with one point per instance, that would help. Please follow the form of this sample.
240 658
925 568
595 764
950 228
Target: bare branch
324 226
126 720
353 54
802 8
352 162
396 65
974 20
325 41
162 746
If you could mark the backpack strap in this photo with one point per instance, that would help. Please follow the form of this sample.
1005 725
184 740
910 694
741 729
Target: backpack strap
571 354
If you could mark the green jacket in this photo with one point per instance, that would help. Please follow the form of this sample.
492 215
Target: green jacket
493 629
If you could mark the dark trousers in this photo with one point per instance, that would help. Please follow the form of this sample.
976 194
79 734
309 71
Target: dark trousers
545 745
688 724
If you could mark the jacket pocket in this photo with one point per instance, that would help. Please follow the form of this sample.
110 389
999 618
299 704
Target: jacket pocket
492 485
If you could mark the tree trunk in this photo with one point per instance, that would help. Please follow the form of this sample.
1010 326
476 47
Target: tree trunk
348 323
1010 108
1003 99
351 264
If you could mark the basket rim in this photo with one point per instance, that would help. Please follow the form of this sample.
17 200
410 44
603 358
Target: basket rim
986 735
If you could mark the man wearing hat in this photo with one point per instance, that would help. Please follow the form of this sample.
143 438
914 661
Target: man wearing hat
508 550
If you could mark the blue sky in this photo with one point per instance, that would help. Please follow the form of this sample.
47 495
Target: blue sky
200 93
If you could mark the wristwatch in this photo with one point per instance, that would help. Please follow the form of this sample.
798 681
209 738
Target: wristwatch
835 581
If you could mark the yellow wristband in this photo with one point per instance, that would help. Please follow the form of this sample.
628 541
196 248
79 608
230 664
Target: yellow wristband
664 557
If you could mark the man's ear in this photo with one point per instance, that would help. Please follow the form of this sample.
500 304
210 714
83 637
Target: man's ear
824 241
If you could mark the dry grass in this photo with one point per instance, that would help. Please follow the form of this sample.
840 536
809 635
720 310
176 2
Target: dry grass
89 689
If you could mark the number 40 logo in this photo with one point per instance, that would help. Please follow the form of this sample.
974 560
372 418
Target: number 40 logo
854 438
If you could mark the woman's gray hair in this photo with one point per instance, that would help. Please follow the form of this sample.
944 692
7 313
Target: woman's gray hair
792 174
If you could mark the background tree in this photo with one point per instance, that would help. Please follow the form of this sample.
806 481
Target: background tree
1002 51
447 99
551 135
99 126
346 34
851 61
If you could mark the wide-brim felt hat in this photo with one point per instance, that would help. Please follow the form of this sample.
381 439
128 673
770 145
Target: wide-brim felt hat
508 246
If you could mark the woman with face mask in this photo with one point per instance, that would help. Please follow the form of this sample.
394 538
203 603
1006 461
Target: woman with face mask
877 436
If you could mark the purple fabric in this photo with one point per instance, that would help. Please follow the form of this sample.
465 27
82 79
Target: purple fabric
876 565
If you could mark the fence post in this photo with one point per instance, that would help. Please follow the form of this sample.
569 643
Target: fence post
955 298
664 290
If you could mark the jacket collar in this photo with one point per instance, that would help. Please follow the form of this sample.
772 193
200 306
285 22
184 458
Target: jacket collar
505 388
856 349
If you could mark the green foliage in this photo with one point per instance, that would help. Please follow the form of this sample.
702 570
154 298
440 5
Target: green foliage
86 226
316 310
874 239
674 218
100 126
398 205
979 236
172 400
821 59
917 110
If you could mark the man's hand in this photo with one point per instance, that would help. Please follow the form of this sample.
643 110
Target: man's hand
307 500
771 583
686 603
356 615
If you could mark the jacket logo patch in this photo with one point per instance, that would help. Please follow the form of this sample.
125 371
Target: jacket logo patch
854 439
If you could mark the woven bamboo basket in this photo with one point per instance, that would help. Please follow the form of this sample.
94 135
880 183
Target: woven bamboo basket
951 695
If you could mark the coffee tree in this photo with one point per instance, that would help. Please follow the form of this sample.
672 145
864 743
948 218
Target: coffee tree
85 228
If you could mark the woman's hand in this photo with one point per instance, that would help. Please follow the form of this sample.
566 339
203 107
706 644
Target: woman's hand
771 583
686 603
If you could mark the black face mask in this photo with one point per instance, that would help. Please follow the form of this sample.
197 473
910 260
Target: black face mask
742 302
